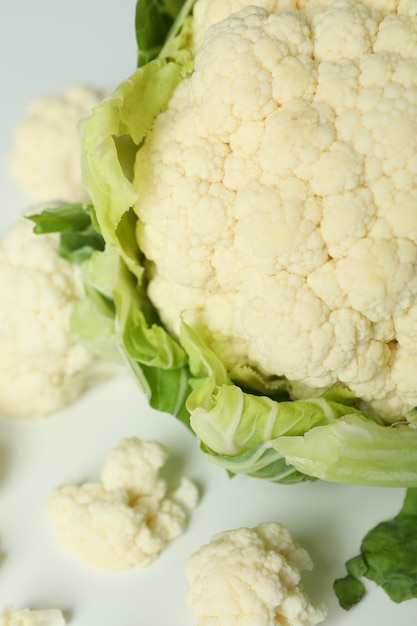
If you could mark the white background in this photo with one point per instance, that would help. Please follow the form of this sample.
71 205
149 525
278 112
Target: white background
45 45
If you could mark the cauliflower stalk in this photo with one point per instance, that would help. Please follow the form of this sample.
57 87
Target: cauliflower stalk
258 211
129 516
251 576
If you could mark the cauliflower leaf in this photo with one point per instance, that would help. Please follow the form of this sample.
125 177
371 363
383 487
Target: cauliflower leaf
74 223
113 133
156 21
387 557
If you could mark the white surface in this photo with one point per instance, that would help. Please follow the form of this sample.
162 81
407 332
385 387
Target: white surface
46 45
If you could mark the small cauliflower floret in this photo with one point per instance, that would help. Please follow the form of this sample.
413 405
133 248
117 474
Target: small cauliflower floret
277 194
128 517
41 367
251 577
46 156
26 617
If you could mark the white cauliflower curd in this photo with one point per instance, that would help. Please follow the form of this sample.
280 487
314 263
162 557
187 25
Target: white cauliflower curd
251 577
41 367
277 194
129 516
45 159
26 617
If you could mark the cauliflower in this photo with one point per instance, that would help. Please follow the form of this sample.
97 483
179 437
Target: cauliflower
251 577
277 193
41 368
25 617
45 159
128 517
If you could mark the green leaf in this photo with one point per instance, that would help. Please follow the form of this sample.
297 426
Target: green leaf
390 552
65 217
388 557
157 21
116 129
356 566
115 319
77 247
261 461
92 324
169 389
349 591
355 450
79 238
409 506
240 430
111 138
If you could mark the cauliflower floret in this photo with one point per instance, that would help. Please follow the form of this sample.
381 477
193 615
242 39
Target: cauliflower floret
251 577
127 518
41 368
46 157
277 194
26 617
209 12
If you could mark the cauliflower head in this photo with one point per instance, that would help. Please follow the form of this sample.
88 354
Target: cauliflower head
41 368
277 194
251 576
26 617
128 517
45 159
